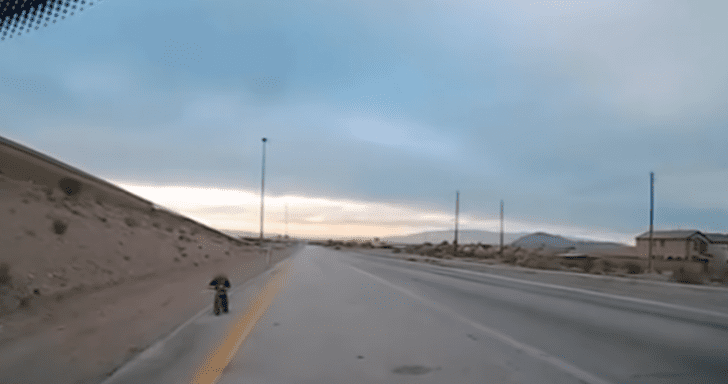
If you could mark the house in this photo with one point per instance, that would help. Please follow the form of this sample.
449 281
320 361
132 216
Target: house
676 245
717 238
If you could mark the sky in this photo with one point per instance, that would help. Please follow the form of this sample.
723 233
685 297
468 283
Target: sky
377 112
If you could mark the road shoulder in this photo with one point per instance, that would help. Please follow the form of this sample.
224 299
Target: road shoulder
86 337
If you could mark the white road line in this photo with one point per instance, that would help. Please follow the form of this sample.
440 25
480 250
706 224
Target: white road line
593 293
529 350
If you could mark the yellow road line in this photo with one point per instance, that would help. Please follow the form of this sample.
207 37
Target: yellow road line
218 358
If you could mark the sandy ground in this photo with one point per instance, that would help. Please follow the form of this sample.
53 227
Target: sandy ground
84 286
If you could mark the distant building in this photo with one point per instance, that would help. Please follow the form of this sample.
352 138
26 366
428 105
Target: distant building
678 245
717 238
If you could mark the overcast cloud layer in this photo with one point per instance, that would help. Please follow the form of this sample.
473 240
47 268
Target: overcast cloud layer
561 108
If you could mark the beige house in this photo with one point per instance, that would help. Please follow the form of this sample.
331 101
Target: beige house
677 245
717 238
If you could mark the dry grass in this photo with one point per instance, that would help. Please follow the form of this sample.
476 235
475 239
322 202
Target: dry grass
59 227
5 278
687 275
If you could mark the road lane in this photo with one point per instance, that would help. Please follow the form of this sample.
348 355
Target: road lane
621 340
334 323
345 317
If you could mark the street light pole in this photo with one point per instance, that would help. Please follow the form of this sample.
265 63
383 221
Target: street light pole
457 213
262 193
652 205
501 229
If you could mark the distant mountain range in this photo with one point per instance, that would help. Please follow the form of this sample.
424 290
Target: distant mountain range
464 237
545 240
517 239
520 239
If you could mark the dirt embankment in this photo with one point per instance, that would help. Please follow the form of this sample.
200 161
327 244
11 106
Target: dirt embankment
54 245
85 284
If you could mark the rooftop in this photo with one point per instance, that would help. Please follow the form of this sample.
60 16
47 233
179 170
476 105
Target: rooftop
680 234
684 234
717 237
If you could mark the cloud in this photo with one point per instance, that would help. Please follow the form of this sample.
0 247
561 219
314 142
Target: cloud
94 78
217 109
312 215
560 106
400 134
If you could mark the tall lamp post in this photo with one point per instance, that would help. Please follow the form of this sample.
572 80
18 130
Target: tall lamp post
501 229
262 193
457 213
652 206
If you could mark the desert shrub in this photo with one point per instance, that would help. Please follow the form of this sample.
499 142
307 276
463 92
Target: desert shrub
509 258
337 247
480 253
24 302
59 227
633 268
396 250
427 244
599 266
69 186
526 262
688 276
521 254
724 278
445 248
428 251
544 263
535 262
608 266
588 265
5 278
572 263
131 222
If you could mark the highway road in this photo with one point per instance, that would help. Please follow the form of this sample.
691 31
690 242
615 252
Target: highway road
327 316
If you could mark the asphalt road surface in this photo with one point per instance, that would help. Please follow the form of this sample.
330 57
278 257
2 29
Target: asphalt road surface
326 316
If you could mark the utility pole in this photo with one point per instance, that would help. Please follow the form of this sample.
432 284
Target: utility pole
262 193
652 206
457 214
501 231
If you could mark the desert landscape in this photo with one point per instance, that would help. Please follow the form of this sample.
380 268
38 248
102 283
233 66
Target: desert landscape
90 279
553 253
